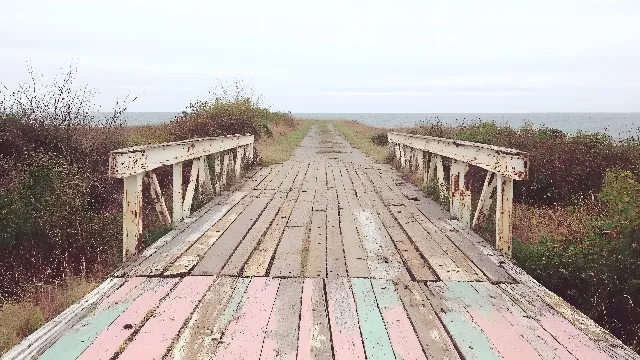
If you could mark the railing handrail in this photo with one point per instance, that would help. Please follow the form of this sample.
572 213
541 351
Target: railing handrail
213 159
505 161
427 153
139 159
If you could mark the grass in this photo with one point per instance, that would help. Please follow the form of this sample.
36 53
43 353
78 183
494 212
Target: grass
19 319
280 146
360 136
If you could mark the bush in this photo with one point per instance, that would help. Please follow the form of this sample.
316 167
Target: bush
380 139
233 109
599 273
60 213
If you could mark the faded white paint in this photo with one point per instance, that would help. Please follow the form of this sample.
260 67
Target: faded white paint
131 164
378 257
503 165
508 162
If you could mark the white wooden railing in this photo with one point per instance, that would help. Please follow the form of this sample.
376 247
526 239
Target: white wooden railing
427 155
228 156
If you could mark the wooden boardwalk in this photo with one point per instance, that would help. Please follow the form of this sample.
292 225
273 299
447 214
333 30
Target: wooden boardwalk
328 255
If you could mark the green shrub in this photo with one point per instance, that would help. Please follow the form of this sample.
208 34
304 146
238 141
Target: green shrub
600 273
380 139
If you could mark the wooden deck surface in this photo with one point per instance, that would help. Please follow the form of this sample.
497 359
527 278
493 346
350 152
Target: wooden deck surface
328 255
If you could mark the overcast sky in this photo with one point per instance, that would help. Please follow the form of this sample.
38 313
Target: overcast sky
338 56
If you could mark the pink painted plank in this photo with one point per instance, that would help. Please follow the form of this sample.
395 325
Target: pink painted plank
245 334
156 335
121 294
110 340
314 339
404 340
574 340
345 331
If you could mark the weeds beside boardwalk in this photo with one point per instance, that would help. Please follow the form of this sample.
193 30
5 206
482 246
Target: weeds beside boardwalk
360 136
284 140
576 221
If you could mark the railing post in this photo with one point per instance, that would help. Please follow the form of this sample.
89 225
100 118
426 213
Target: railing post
132 216
177 193
504 208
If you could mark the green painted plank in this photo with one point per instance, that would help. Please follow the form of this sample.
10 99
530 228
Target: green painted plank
234 303
374 334
471 341
76 340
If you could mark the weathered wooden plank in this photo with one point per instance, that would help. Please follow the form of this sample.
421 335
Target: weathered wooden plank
190 258
314 340
158 262
377 344
155 336
435 341
544 343
201 334
258 263
468 337
438 217
281 339
504 337
415 264
75 340
109 341
436 235
343 317
354 252
34 344
574 340
245 333
336 262
439 261
403 338
384 262
275 170
288 259
237 261
221 250
316 265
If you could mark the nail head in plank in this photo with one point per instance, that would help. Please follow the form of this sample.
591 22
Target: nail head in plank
157 333
110 340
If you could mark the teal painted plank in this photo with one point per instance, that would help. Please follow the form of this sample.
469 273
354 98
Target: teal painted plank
374 334
234 303
468 337
471 341
76 340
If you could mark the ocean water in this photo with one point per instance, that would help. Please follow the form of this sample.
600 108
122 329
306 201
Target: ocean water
618 125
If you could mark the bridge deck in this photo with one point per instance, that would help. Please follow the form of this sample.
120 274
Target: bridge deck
328 255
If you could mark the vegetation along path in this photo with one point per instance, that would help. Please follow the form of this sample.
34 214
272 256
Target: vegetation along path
327 255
